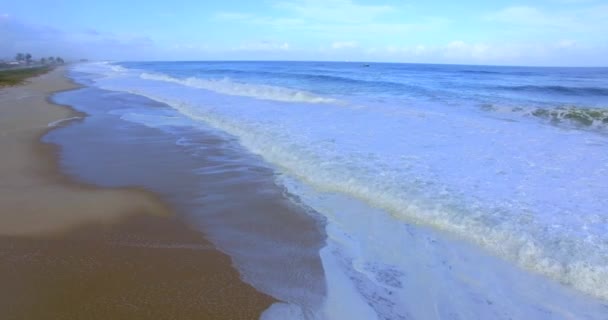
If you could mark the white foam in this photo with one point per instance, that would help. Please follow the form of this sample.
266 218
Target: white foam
508 187
396 271
284 311
343 300
226 86
60 121
118 69
570 116
102 68
507 241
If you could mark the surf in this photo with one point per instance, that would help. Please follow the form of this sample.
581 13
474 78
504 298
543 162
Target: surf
226 86
449 169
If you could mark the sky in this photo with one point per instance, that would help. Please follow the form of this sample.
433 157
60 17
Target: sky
500 32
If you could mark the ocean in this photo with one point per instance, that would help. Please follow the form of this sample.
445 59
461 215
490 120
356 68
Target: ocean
374 191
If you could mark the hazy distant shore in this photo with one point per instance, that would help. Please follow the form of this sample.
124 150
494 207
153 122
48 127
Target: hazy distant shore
71 250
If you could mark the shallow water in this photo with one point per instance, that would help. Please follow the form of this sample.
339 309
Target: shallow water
226 193
460 152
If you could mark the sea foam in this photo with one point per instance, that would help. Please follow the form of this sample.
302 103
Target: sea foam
481 179
226 86
574 116
508 239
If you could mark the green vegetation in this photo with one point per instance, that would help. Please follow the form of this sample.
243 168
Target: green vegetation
13 77
27 59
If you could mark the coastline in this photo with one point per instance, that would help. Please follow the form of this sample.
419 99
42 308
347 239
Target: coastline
452 216
73 250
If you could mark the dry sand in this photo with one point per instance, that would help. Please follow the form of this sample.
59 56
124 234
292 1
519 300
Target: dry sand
73 251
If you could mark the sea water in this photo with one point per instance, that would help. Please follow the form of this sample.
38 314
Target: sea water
445 191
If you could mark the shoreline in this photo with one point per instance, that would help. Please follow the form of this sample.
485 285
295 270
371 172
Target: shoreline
345 169
32 98
69 249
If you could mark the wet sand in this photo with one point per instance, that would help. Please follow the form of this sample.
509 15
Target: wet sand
209 180
69 250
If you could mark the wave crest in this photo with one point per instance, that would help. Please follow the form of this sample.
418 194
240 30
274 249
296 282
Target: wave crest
226 86
503 239
563 90
590 117
582 117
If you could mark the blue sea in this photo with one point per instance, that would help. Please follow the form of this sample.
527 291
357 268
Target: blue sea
442 191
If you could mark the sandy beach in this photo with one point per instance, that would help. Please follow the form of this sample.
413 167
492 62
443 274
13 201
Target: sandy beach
69 250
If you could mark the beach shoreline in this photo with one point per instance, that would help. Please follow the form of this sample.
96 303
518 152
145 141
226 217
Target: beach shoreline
419 192
73 250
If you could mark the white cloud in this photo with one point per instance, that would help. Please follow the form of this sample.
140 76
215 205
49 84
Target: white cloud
566 44
47 41
344 45
225 15
264 45
519 14
479 52
592 19
574 1
565 52
334 10
350 30
453 52
531 16
327 19
338 29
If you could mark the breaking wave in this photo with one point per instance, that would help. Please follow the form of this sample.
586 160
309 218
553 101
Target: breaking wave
229 87
590 117
563 90
506 239
582 117
345 160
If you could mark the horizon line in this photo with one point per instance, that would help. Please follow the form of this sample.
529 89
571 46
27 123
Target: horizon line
348 61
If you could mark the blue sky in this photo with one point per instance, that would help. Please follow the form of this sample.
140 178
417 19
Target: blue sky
543 32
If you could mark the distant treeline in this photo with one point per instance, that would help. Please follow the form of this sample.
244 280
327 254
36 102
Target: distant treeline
28 59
